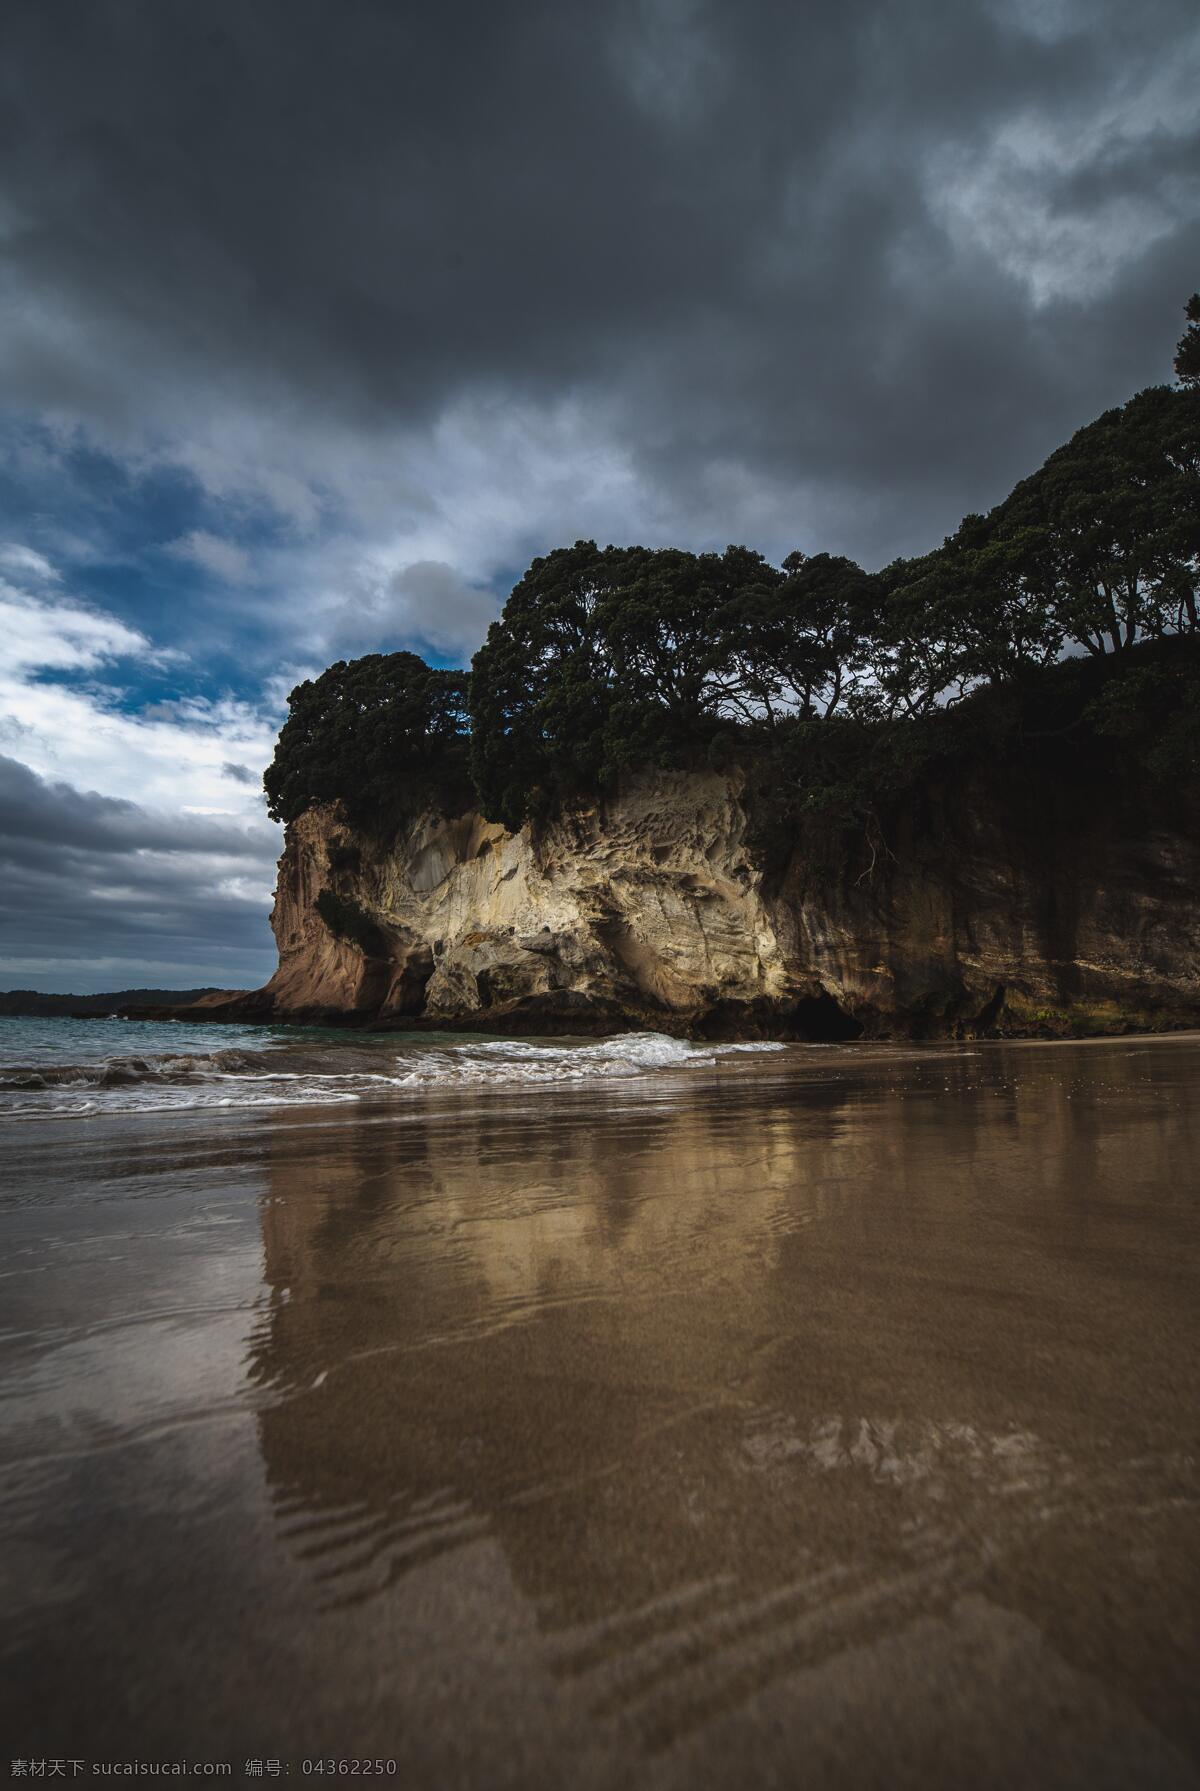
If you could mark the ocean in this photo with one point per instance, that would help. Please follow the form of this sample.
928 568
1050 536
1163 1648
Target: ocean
77 1068
603 1413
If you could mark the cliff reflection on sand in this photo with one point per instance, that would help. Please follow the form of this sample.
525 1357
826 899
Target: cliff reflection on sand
824 1417
825 1390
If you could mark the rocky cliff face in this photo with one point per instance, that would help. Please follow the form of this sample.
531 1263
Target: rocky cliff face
645 907
986 903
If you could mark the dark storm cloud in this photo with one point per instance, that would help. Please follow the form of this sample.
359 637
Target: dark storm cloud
34 812
89 881
837 271
164 919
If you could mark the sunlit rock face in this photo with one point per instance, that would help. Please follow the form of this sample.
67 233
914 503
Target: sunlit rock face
645 907
979 907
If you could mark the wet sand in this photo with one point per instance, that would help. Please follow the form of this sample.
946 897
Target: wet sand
827 1419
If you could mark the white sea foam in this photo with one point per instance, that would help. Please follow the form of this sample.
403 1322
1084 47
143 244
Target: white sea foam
510 1060
339 1072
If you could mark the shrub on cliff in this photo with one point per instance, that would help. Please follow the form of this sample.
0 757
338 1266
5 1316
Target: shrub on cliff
607 659
385 734
673 626
800 643
1094 721
1153 710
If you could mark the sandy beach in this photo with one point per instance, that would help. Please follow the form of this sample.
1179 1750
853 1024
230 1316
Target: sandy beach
819 1417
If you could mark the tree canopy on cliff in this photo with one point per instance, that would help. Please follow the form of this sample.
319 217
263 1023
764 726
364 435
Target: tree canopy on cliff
802 646
1094 552
1100 545
1187 355
379 733
605 658
542 684
841 680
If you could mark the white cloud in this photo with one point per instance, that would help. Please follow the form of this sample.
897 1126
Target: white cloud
134 843
182 753
421 541
1009 210
1011 194
668 62
173 759
26 562
426 602
41 635
1046 21
246 461
223 558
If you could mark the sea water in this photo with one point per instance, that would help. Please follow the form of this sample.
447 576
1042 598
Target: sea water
77 1068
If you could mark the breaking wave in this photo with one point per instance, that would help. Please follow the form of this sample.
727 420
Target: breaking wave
337 1073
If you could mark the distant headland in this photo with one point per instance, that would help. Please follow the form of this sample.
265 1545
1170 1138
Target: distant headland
32 1003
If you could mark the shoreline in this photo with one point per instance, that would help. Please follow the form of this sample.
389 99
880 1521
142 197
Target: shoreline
587 1022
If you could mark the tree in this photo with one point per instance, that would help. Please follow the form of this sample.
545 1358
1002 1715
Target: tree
802 641
608 658
1098 548
542 684
964 615
605 659
1152 706
673 624
1187 355
385 734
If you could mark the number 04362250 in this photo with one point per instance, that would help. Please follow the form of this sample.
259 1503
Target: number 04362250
350 1768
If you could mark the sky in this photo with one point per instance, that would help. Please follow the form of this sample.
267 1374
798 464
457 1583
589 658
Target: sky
318 322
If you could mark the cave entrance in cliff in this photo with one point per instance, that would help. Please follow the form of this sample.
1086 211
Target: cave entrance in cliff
820 1021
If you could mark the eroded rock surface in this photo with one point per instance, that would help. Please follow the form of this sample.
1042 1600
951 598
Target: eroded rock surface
982 907
648 905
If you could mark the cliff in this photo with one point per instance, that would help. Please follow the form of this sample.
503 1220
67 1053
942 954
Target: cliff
1013 897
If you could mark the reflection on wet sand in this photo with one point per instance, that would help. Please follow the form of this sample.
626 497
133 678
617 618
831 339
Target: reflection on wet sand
828 1420
761 1378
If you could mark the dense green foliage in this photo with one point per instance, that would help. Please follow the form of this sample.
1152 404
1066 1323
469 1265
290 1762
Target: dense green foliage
606 658
1096 551
834 687
609 658
1187 355
385 734
33 1003
1090 714
542 684
1153 709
